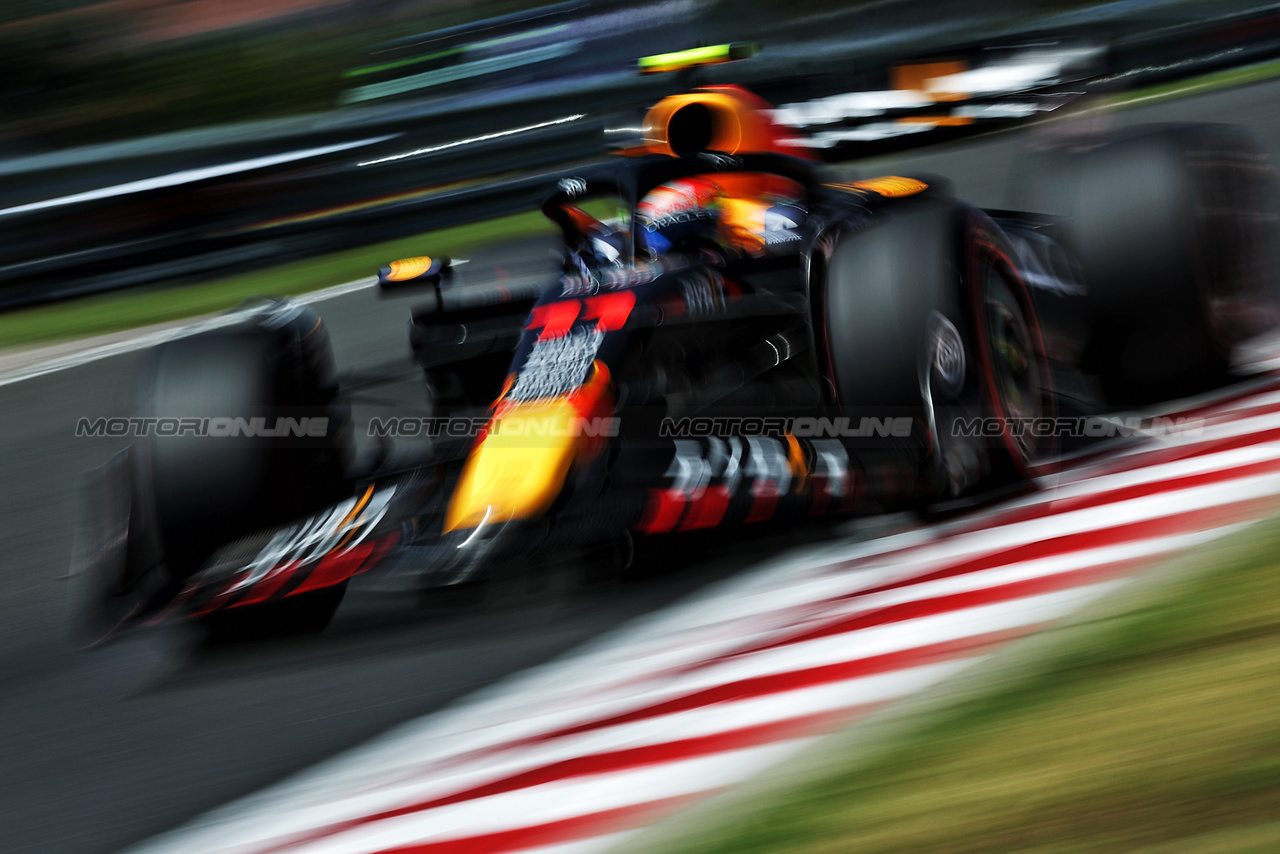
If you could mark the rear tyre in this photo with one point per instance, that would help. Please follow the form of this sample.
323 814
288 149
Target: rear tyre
1175 228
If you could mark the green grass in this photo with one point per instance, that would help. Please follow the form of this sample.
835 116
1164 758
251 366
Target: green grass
128 309
1197 85
1157 730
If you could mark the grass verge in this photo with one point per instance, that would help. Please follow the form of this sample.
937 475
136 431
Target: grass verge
112 312
1197 85
1155 731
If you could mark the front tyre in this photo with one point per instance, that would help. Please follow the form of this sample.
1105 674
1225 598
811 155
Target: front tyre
923 315
209 490
305 614
1014 369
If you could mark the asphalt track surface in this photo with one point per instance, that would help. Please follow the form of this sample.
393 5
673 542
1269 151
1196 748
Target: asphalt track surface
100 750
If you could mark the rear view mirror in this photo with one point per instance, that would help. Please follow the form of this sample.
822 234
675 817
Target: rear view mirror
413 272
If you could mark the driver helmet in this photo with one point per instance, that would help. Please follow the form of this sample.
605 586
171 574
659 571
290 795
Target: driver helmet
741 211
677 214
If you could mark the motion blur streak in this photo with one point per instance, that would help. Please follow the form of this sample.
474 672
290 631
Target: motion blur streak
136 340
581 753
472 140
190 176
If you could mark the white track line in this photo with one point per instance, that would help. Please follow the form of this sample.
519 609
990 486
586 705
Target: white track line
146 339
188 176
151 339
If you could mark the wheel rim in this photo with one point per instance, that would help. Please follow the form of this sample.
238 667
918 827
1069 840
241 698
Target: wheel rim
1012 359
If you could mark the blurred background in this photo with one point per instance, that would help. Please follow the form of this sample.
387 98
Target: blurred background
80 71
157 142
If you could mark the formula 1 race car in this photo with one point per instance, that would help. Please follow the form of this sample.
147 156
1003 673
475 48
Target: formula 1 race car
737 337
